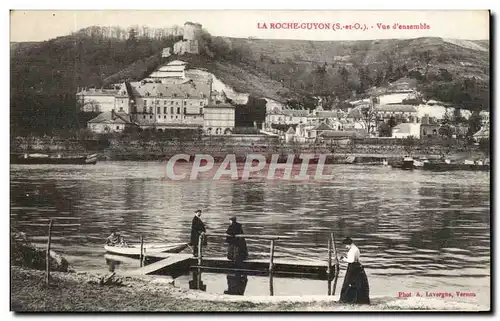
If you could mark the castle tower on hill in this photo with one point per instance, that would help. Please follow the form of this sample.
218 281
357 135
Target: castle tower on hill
190 39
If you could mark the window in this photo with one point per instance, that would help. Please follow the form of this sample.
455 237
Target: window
144 117
194 117
144 109
171 117
171 102
150 116
158 110
164 102
117 127
164 110
177 103
178 110
171 110
185 103
159 116
185 110
201 111
176 117
165 117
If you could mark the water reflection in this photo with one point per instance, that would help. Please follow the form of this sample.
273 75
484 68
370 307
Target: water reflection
236 284
406 223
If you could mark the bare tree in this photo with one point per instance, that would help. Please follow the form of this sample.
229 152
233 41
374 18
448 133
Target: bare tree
367 116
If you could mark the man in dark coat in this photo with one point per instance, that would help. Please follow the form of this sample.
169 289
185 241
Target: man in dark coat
197 227
237 250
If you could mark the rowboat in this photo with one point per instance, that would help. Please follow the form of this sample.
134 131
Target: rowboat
53 159
134 250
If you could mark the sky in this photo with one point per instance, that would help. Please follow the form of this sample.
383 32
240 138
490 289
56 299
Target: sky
32 25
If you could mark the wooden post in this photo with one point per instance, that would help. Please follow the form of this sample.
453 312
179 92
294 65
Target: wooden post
47 257
337 265
141 257
271 258
200 260
329 269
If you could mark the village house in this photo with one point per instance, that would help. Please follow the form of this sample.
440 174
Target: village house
483 133
429 130
96 100
407 113
405 130
110 122
219 118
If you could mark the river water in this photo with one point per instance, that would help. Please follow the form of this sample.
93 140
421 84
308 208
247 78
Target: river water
416 230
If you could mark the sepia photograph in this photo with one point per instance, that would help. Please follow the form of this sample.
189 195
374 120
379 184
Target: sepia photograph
250 161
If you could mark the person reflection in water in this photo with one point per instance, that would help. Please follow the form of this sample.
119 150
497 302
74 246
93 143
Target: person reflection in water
355 288
237 247
236 284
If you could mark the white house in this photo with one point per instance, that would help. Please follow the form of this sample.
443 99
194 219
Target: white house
109 122
405 130
219 119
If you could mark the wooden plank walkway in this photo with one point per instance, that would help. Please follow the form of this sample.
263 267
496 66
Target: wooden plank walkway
169 263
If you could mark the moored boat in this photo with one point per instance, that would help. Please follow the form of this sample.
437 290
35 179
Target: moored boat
53 159
443 166
134 250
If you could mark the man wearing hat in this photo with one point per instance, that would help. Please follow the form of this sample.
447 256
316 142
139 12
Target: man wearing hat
237 250
197 227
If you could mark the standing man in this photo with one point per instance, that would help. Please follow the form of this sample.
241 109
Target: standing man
197 227
237 250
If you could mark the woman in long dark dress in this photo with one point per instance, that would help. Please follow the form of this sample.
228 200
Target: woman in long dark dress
355 288
237 249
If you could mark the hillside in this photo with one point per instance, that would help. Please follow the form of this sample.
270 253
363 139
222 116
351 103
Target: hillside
45 75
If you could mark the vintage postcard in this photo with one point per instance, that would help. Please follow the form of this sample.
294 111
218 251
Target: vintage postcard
251 160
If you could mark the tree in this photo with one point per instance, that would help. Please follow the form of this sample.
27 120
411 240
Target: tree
475 123
368 115
484 145
445 130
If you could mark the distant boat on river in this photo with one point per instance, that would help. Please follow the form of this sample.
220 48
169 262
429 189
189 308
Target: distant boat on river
52 159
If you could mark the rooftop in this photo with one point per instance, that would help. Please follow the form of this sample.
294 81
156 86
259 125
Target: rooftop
192 89
111 117
396 108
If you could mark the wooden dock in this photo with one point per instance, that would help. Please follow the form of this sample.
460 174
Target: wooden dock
175 265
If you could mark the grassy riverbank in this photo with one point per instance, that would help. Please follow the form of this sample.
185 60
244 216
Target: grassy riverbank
79 292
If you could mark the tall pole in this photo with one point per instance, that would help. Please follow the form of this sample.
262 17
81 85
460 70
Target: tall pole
337 265
141 257
271 258
200 260
47 257
329 269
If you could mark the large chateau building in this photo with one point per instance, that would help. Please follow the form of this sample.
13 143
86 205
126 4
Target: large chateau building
167 98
